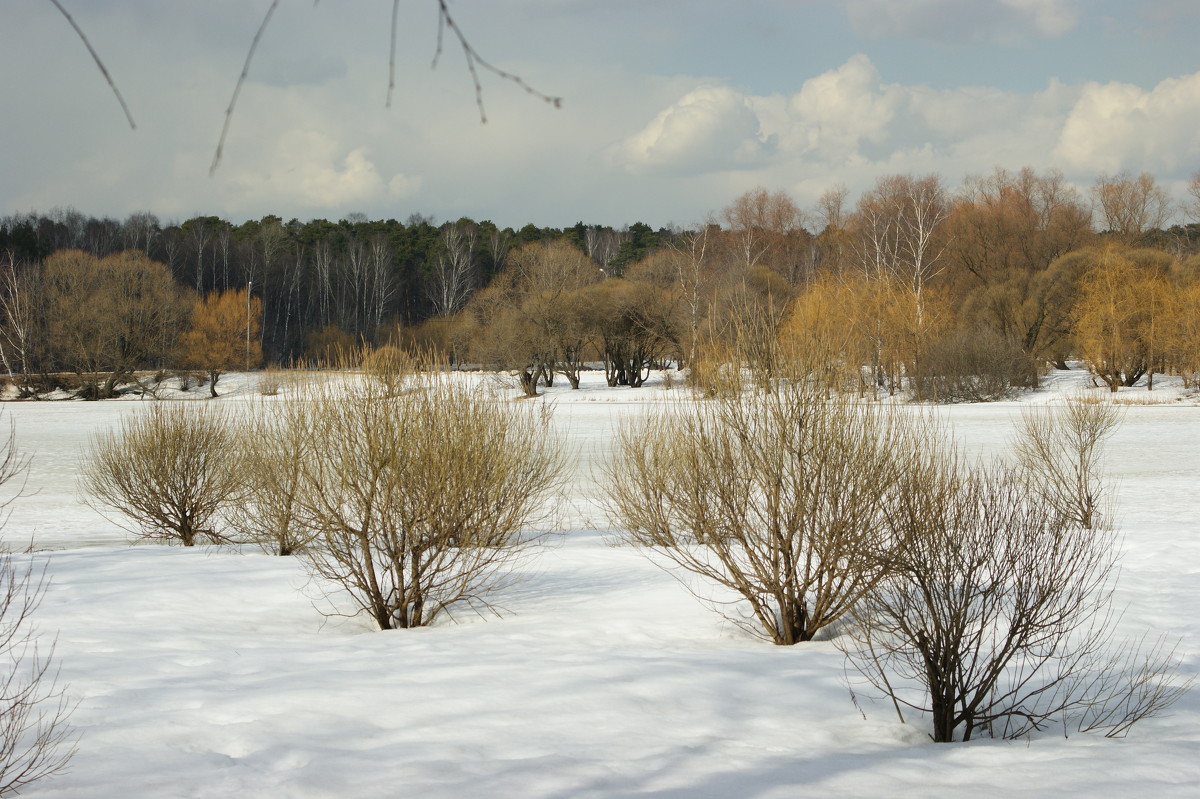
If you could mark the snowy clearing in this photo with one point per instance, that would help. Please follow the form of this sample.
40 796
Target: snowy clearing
213 673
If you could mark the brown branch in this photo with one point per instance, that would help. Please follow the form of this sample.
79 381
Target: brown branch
100 64
473 58
392 54
445 20
238 88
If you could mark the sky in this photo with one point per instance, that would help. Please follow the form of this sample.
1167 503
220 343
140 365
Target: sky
670 108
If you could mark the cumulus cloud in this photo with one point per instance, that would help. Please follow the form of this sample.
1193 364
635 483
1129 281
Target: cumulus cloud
1116 126
836 111
850 125
711 128
307 169
954 21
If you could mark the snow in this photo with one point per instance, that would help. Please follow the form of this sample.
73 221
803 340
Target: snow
213 673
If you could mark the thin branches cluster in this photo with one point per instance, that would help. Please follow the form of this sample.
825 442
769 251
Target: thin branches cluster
36 737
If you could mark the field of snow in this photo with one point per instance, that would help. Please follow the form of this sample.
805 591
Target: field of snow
213 673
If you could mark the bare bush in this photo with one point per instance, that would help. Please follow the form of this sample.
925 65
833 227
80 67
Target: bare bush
784 499
271 453
971 366
418 502
169 470
270 382
1060 449
388 365
997 619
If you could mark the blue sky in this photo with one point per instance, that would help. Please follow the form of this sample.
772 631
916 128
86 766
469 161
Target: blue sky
671 108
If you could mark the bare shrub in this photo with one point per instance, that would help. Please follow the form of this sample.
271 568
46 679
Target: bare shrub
36 739
271 452
418 502
388 365
971 366
269 383
784 499
714 370
1060 450
169 470
997 619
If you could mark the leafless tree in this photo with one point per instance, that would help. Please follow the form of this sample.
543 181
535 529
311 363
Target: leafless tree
996 619
1131 206
497 243
22 322
169 469
760 224
694 278
527 320
897 225
139 231
831 207
785 501
1060 450
1193 202
604 244
455 271
36 739
422 501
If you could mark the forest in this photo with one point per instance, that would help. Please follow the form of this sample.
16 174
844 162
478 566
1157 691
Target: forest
955 293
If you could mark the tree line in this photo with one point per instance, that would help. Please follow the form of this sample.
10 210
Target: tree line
956 293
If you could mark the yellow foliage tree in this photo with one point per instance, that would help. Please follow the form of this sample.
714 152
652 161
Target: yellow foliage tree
1110 318
224 334
1183 339
823 335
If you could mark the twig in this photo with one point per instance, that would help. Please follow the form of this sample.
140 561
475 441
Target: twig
99 63
238 88
445 20
473 58
392 54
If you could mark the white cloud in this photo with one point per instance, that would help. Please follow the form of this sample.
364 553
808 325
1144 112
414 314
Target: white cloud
1118 126
711 128
308 170
848 125
955 21
838 110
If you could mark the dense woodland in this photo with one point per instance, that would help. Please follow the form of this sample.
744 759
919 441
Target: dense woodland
951 292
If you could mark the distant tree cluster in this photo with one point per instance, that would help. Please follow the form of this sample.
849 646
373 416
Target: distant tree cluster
953 295
315 288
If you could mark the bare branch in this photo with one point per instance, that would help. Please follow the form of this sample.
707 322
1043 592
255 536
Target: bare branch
238 88
99 63
36 739
473 58
392 54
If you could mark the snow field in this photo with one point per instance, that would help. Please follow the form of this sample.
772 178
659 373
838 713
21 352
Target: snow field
213 673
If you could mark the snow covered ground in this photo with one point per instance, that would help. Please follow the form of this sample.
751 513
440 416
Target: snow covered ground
210 673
